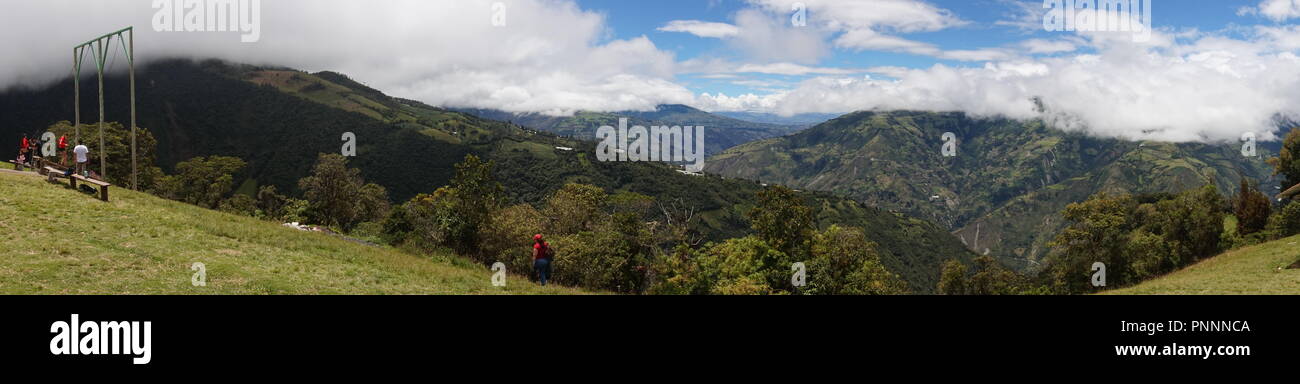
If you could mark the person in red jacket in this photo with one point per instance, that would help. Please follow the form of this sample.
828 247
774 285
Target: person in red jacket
542 255
24 150
63 149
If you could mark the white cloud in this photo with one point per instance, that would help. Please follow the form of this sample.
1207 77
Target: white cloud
1283 38
765 38
702 28
791 69
904 16
551 56
1042 46
1276 10
761 37
1023 15
873 25
1212 89
742 103
866 39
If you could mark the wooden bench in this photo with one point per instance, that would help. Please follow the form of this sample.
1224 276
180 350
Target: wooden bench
51 173
103 186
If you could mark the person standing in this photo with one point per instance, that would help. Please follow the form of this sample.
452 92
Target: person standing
35 151
63 150
542 257
23 151
82 158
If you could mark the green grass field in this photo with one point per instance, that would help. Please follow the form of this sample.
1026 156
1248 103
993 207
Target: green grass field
1256 270
60 241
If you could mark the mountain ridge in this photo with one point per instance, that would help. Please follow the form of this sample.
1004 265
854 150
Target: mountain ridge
721 132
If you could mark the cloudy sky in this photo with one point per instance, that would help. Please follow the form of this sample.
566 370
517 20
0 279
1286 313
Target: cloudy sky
1210 70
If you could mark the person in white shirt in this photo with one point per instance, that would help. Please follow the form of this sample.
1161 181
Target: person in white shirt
81 151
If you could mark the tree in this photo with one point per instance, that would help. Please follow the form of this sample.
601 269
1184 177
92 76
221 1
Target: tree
952 281
432 220
332 190
202 181
680 272
845 262
372 203
1147 253
474 194
1252 208
1098 232
575 208
1286 222
991 278
507 237
741 266
614 256
453 216
680 223
1191 224
1287 163
239 204
271 203
782 221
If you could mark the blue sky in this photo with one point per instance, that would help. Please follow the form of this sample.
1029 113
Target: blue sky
986 28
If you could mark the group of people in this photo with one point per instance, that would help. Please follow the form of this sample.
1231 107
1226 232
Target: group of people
29 148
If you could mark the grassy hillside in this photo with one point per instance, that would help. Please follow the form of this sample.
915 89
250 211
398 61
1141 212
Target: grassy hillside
59 241
1257 270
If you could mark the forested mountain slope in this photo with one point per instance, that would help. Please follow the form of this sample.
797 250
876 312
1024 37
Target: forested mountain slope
1002 192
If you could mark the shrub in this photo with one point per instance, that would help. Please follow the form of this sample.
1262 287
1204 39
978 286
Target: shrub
615 256
681 272
781 219
1147 253
508 237
202 181
952 281
240 204
1252 208
1287 163
332 190
1098 233
844 262
434 220
744 266
271 203
453 216
1287 222
575 208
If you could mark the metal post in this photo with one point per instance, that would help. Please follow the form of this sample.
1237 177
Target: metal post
76 86
130 57
102 54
